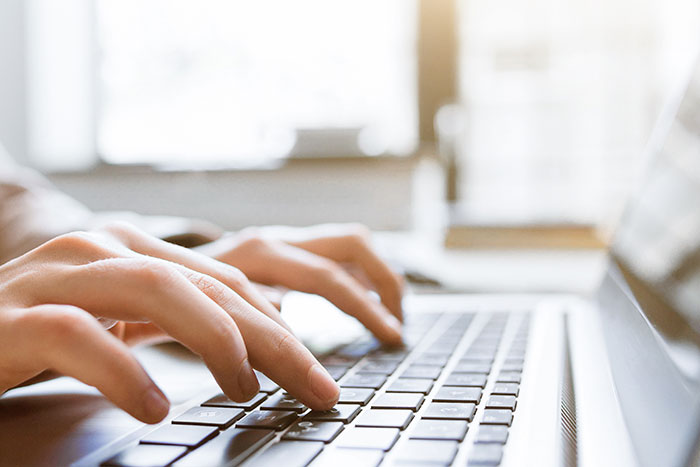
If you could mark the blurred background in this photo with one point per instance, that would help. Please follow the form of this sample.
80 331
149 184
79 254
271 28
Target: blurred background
270 111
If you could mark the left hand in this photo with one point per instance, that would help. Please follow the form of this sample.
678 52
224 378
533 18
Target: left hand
335 261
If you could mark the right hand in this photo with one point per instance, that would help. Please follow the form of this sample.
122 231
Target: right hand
51 296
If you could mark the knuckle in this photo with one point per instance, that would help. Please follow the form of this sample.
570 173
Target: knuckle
235 278
153 274
56 324
252 240
120 229
285 344
73 241
327 272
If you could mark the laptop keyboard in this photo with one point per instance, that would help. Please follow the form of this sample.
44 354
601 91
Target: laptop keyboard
458 373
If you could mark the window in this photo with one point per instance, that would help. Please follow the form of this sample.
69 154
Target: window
229 82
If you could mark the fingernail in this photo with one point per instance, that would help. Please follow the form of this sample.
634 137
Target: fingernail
247 381
156 405
323 386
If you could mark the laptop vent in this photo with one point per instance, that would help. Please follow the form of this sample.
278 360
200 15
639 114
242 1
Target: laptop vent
567 415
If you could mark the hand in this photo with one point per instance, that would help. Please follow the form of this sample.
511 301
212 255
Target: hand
334 261
51 296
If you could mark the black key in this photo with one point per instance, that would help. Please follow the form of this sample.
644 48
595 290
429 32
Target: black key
312 430
497 417
466 379
486 454
394 355
231 447
419 451
270 419
385 367
492 434
146 455
483 361
289 454
472 368
411 385
513 366
509 377
221 417
366 380
399 400
283 401
355 396
419 371
337 371
340 413
347 456
506 389
266 384
449 394
440 429
432 360
180 435
501 402
338 360
222 401
368 438
450 411
382 418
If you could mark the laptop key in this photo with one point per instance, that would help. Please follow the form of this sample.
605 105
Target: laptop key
289 454
344 413
385 367
180 435
506 389
411 385
501 402
485 454
492 434
432 360
509 377
466 379
399 400
146 455
231 447
440 429
418 371
269 419
450 394
366 380
346 457
337 371
221 417
355 396
368 438
283 401
222 401
384 418
419 451
472 368
266 384
497 417
312 430
450 411
513 366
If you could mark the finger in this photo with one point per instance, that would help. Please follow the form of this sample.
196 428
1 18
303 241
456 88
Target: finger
72 342
145 244
301 270
354 248
150 290
276 352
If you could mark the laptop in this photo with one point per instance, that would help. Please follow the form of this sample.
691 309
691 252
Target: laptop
484 380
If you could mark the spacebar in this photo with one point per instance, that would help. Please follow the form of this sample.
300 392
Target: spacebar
230 448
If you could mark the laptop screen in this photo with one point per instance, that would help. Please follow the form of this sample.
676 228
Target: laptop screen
657 245
654 340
